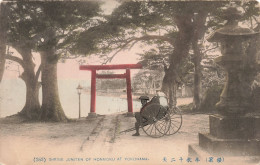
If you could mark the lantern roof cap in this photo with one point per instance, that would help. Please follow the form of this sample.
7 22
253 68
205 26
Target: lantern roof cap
231 28
231 31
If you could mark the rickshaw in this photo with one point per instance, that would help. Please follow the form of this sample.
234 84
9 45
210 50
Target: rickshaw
156 118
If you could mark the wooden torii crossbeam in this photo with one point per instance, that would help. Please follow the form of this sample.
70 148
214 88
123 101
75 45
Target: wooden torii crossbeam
94 76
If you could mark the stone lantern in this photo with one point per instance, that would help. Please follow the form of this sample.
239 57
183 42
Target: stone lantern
233 131
239 60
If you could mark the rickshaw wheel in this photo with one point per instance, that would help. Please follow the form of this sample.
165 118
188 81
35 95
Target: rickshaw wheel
176 121
155 120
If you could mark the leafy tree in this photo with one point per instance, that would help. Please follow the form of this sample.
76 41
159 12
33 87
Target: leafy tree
21 30
105 84
159 60
132 22
166 22
42 26
60 18
182 25
148 81
212 74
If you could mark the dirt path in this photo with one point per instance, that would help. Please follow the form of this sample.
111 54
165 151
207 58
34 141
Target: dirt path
96 141
102 136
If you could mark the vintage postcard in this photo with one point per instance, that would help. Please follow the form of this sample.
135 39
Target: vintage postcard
129 82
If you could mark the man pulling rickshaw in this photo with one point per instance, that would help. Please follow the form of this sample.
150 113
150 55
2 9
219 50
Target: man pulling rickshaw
155 117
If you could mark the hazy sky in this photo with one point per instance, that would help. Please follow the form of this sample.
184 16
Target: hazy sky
70 69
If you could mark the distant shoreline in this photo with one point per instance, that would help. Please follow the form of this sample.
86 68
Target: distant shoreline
121 95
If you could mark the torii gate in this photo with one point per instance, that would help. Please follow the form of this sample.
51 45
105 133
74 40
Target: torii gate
94 76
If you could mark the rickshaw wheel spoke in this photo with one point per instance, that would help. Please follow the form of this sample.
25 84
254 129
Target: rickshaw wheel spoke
176 121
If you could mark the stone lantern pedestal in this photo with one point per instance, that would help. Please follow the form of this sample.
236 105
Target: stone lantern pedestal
233 131
230 136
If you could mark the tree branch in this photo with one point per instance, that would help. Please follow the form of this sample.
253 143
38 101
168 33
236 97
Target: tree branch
211 49
69 57
110 58
136 39
155 37
16 59
256 19
38 72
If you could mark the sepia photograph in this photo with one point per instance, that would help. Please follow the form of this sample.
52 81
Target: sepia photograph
129 82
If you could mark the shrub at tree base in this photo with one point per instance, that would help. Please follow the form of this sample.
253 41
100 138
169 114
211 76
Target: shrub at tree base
187 108
210 99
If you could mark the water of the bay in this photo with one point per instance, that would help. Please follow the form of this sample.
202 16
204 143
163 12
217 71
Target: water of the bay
12 99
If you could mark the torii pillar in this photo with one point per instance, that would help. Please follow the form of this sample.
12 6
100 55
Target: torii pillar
94 76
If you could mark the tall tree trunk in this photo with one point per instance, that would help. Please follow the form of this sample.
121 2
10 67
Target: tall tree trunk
169 87
3 28
173 95
197 76
51 106
181 50
198 33
31 109
165 82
